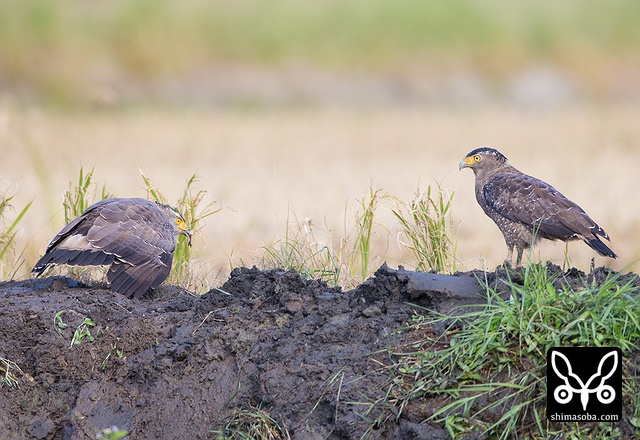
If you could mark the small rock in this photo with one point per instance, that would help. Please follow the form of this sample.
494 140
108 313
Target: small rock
293 305
372 311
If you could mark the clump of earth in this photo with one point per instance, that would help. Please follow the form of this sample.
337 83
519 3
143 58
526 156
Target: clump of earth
172 365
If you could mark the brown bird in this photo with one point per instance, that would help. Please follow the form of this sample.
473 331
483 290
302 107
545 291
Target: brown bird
526 209
136 237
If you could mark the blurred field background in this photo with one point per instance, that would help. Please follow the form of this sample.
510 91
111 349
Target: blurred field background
292 111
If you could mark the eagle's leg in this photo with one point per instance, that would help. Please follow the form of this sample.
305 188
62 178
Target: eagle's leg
519 251
509 260
566 263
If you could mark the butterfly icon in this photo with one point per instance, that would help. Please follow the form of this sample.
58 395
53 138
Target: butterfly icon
573 384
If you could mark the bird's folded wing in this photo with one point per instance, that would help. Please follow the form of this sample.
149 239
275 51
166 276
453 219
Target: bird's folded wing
134 233
525 199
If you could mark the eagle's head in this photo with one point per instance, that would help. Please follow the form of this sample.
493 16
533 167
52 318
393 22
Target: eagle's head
483 158
179 224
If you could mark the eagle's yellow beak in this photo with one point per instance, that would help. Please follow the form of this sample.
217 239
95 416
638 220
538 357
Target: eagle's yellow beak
466 162
187 233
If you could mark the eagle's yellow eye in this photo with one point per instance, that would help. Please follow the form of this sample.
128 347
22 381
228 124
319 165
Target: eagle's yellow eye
477 158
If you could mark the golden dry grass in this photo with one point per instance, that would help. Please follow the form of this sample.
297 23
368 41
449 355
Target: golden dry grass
263 165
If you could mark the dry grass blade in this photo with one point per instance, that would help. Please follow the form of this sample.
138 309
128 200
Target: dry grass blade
314 256
252 424
10 373
300 250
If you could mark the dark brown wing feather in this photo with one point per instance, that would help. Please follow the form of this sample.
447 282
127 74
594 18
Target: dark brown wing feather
528 200
133 234
133 281
525 199
59 251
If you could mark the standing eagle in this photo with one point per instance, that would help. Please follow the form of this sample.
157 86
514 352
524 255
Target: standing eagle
526 209
136 237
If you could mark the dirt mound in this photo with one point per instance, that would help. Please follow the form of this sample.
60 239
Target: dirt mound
171 365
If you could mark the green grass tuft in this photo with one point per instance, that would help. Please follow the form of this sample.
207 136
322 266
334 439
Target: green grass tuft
78 198
350 259
427 230
364 224
82 333
489 366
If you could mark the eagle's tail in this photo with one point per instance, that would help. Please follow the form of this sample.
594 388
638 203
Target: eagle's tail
597 245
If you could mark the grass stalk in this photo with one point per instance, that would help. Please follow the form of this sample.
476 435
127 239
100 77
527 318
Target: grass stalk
9 372
300 250
355 253
427 230
251 424
314 256
78 198
8 235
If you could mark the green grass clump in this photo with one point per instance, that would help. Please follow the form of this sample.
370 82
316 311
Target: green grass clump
82 333
489 367
350 259
78 198
363 227
427 230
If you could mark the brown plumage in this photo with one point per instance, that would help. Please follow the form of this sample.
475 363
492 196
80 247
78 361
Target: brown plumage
526 209
135 237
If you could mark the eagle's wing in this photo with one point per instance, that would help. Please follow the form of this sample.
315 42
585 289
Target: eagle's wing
70 245
525 199
133 281
133 234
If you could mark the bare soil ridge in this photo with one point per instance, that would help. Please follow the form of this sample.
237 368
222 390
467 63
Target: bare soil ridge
171 365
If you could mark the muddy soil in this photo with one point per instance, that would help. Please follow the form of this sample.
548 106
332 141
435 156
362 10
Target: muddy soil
174 366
